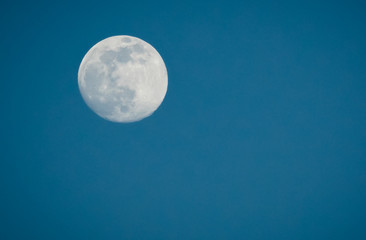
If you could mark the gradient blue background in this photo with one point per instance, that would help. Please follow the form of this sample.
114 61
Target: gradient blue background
262 134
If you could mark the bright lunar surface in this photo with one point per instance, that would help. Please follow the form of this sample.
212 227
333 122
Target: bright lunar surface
123 79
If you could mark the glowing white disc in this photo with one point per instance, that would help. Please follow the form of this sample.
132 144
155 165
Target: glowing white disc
123 79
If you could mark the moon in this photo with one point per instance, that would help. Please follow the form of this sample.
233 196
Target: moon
123 79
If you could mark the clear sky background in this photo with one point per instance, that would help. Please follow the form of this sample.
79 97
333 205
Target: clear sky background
262 133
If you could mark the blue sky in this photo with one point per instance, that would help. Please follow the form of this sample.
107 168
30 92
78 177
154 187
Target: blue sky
261 134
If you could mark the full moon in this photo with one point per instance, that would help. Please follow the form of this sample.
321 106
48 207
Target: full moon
123 79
